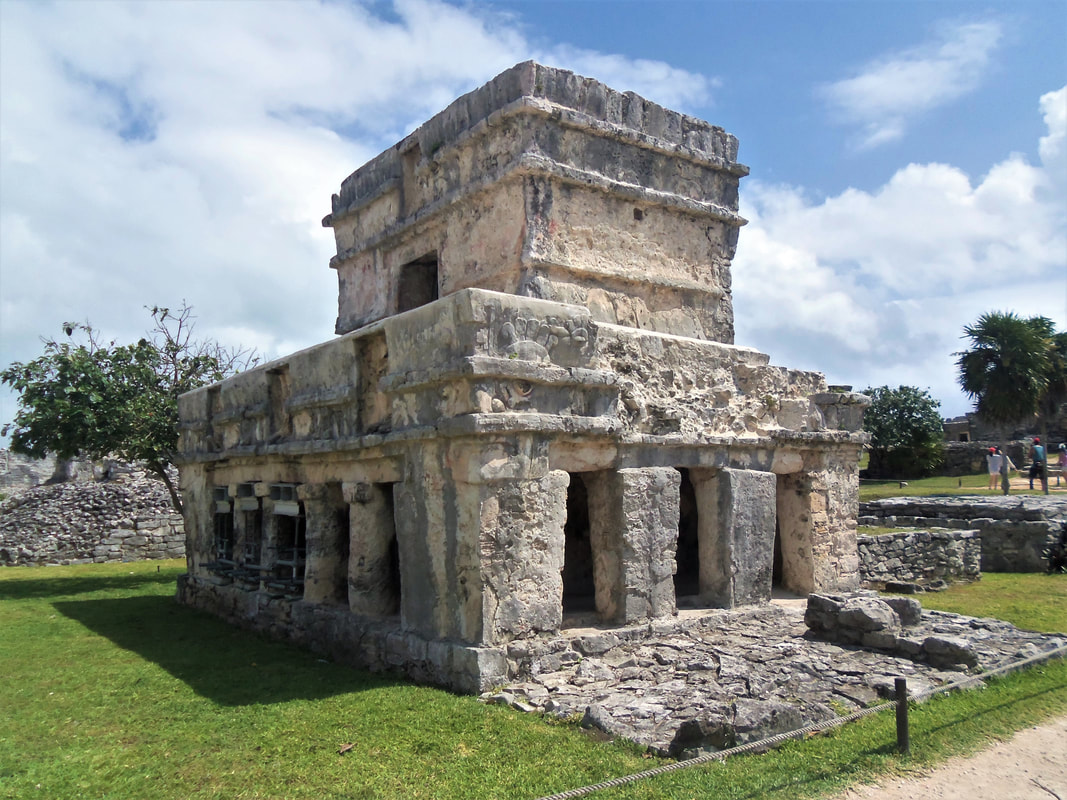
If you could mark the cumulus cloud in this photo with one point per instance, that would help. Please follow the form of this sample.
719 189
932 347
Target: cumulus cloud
655 80
888 92
872 287
153 151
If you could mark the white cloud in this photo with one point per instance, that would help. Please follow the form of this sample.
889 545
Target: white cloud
654 80
154 151
873 287
891 90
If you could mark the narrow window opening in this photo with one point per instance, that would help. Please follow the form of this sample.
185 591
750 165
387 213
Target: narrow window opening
224 532
248 513
392 589
579 589
638 215
418 283
290 542
687 557
252 555
344 526
776 559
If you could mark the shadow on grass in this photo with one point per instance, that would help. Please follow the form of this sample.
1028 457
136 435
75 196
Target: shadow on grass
18 588
226 665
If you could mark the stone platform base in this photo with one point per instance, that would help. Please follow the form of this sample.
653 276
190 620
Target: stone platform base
333 631
725 678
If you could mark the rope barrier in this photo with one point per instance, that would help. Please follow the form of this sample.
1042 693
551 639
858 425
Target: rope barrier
815 727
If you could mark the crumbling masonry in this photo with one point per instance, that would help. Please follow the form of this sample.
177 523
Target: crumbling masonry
534 415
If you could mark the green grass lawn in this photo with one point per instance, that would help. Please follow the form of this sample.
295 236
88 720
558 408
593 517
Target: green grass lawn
925 487
1033 601
111 690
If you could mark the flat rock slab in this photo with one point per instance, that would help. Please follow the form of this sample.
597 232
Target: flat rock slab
727 678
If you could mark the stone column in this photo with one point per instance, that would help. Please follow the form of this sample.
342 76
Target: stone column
373 585
522 543
795 532
326 564
199 514
736 533
633 528
834 504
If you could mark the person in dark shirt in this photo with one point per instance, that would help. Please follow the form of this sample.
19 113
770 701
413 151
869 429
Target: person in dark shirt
1037 464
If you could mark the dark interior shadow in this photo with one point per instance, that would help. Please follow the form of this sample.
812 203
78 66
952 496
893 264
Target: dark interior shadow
227 665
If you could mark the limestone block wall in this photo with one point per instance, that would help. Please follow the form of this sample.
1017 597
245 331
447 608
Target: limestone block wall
151 538
1013 534
921 556
84 522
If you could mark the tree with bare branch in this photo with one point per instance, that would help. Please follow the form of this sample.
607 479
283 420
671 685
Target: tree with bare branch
88 398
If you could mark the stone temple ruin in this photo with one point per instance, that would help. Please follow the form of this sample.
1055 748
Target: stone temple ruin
534 415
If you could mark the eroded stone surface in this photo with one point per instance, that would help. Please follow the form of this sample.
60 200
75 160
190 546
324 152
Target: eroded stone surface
734 677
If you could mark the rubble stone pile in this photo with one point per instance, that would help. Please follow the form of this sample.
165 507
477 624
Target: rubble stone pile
128 519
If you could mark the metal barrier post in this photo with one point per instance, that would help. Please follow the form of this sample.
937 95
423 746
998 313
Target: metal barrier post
903 739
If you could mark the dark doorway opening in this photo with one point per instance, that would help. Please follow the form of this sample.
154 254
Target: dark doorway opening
392 589
776 559
687 556
579 589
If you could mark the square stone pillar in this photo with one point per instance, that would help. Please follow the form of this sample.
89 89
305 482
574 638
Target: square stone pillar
795 531
326 563
522 545
736 536
198 510
834 503
373 576
633 528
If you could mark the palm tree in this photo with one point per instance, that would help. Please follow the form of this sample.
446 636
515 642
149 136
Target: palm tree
1015 368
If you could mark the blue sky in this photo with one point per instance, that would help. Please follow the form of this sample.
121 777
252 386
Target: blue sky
909 163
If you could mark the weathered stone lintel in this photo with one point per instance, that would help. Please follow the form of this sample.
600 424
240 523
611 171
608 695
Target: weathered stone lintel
322 397
529 164
488 367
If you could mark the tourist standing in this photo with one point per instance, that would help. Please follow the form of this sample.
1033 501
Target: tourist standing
1006 467
1038 464
992 461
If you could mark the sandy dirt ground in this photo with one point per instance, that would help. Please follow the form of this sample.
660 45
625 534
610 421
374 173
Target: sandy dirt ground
1032 765
1021 483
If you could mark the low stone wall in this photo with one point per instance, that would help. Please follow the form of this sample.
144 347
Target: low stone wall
1014 530
969 458
921 556
130 519
151 538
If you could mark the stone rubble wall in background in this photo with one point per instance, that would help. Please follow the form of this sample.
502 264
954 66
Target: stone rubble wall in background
969 458
1015 530
921 556
127 519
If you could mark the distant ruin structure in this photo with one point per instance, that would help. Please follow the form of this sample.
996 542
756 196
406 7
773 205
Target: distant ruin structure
534 415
